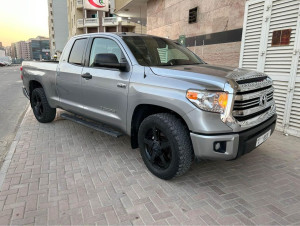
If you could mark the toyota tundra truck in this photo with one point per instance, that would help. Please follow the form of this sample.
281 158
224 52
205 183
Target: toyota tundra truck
174 106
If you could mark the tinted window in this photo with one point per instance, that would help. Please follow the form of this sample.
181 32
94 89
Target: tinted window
77 51
155 51
104 45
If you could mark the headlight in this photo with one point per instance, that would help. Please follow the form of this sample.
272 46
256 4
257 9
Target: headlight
208 101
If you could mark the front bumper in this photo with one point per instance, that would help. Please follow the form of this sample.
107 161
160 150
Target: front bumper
233 145
25 92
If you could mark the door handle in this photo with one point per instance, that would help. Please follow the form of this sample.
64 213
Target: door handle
87 76
121 85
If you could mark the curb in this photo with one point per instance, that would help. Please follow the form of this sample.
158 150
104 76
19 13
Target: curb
11 151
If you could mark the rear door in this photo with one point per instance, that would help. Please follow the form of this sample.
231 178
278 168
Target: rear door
69 77
105 93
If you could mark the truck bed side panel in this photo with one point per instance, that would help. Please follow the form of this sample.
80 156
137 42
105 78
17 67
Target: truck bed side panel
45 74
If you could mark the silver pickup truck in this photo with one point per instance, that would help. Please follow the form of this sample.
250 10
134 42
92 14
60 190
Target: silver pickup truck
175 107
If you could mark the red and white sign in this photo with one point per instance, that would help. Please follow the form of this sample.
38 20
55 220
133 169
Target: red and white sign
101 5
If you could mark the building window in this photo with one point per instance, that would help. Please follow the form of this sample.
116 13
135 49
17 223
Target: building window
193 14
281 37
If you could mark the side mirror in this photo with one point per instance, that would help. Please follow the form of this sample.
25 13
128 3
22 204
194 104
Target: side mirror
109 60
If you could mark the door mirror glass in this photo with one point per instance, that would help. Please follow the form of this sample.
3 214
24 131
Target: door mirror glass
108 60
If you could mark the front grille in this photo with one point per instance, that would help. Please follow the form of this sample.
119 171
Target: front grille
254 98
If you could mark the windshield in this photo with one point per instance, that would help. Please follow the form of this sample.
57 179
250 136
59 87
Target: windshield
155 51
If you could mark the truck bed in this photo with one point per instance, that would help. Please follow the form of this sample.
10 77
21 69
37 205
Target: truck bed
41 65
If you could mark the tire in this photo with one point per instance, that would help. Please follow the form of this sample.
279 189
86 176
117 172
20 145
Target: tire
165 145
40 106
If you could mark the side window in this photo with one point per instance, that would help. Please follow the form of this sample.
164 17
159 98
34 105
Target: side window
77 51
104 45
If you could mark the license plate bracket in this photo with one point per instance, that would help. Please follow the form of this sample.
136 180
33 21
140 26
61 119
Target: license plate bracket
261 139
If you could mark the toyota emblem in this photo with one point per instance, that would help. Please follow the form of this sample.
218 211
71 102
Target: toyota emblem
263 101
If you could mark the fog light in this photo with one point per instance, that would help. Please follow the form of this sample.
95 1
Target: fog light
217 146
220 146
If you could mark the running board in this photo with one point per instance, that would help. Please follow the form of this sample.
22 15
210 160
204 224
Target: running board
91 124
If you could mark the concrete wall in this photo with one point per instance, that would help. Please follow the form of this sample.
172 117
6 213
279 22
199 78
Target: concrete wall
169 18
227 54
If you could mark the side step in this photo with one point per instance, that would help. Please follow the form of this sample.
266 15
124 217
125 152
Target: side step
91 124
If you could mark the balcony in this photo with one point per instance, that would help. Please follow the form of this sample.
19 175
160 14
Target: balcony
129 23
80 23
109 21
91 22
79 4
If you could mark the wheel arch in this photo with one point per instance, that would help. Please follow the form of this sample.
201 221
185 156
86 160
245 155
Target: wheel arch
33 84
141 112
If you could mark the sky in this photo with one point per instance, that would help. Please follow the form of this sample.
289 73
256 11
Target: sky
23 19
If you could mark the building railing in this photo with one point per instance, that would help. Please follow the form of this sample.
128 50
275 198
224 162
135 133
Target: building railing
91 22
79 3
109 21
80 23
128 23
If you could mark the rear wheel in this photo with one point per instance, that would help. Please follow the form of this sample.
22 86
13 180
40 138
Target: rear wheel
165 145
40 106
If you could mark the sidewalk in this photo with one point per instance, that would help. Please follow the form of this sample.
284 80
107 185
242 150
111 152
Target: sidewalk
64 173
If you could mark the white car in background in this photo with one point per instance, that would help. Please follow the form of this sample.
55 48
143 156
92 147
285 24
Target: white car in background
5 61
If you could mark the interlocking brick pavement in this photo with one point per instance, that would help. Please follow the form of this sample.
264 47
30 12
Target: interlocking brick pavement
64 173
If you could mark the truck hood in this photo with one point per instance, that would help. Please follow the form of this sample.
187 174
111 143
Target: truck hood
205 74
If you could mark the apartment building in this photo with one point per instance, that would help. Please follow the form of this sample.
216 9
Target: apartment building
58 26
2 52
40 48
13 52
22 50
8 50
82 20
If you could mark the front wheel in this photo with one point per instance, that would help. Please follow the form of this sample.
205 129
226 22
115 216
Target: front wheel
40 106
165 145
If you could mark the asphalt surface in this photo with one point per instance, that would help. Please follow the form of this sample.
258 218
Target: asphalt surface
12 106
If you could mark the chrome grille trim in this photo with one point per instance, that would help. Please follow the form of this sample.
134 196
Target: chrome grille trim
258 119
247 104
255 85
254 95
252 110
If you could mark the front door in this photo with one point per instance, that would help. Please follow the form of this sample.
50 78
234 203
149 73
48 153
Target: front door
105 91
69 77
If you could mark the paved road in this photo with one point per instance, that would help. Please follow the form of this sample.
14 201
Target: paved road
12 106
62 173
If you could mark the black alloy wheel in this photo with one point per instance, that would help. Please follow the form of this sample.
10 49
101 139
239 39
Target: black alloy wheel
165 145
158 148
40 106
37 105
